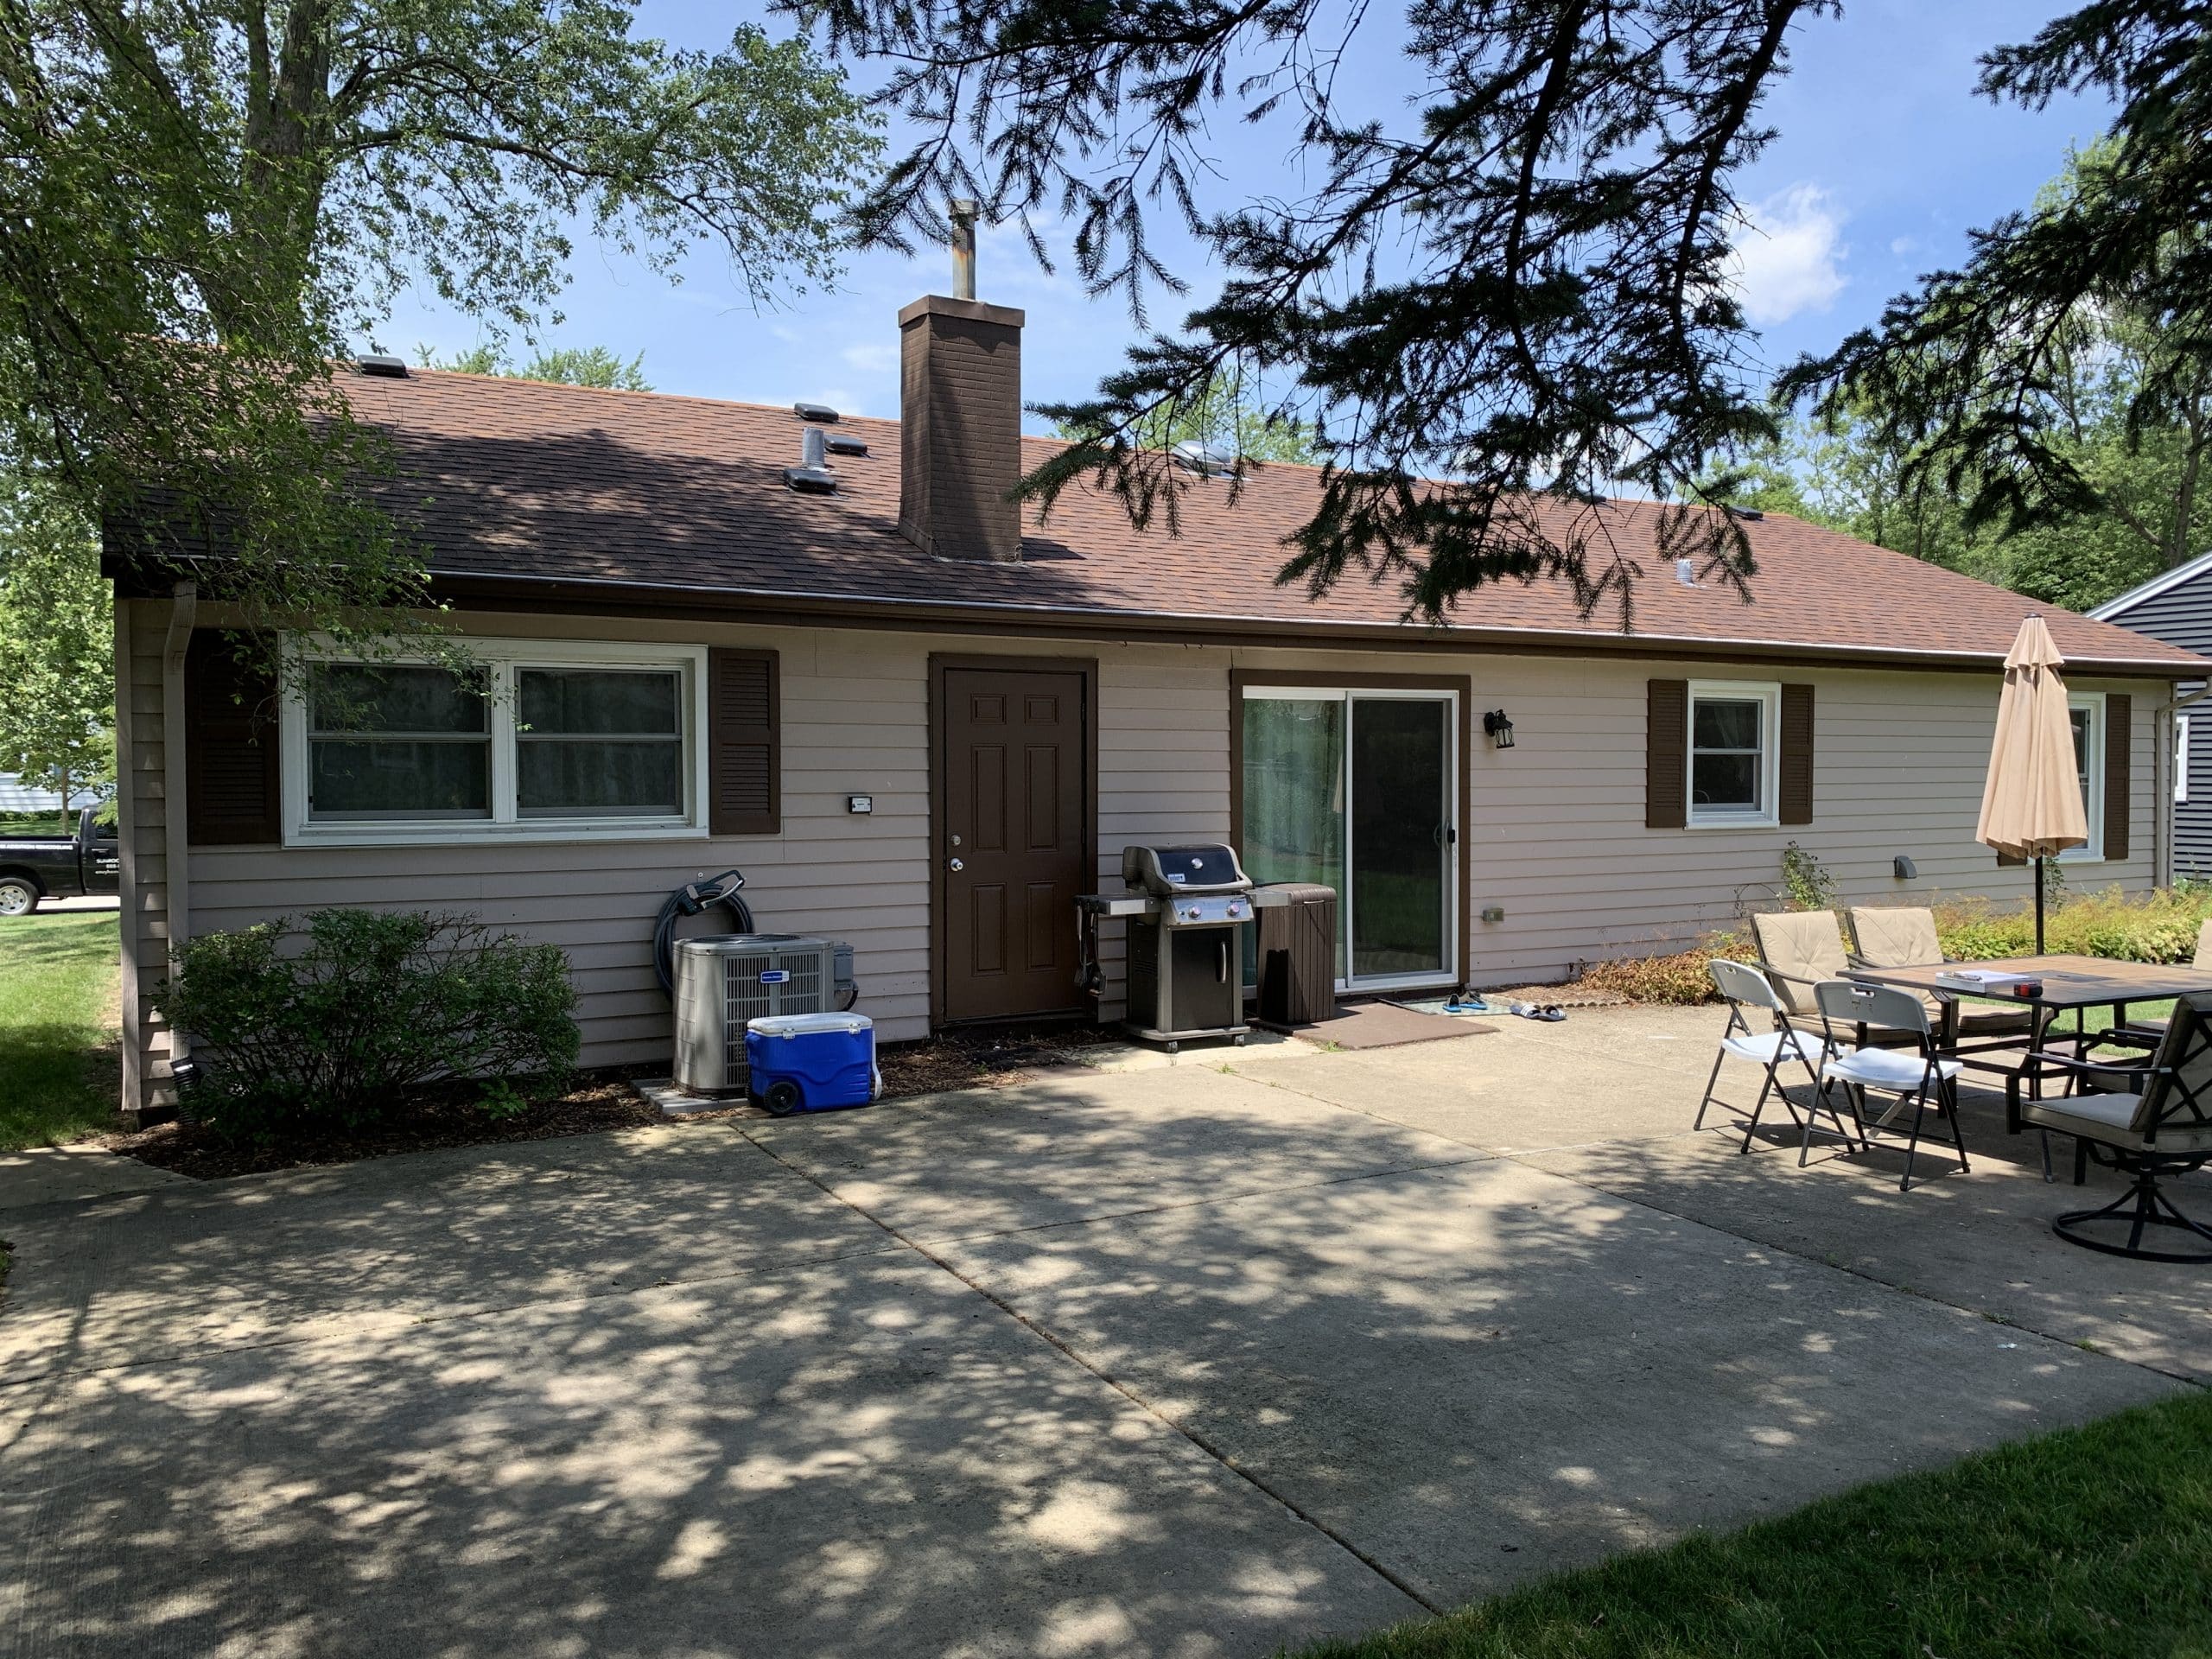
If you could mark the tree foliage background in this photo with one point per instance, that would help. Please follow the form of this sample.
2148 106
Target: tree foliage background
207 200
57 647
1514 302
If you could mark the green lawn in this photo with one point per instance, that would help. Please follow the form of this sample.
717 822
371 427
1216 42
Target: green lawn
2094 1542
57 1027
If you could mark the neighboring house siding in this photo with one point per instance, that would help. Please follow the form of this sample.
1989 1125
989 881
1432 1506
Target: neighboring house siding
2181 616
1556 834
17 796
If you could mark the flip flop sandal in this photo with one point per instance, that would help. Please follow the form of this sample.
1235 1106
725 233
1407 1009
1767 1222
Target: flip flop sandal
1469 1005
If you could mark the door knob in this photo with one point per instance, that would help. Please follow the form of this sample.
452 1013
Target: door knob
954 864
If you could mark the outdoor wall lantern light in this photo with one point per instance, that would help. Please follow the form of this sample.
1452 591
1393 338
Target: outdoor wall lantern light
1499 728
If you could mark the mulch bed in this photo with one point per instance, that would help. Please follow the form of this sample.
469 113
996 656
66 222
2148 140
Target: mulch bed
600 1101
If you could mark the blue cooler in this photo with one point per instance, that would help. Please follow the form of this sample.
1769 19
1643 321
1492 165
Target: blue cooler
811 1062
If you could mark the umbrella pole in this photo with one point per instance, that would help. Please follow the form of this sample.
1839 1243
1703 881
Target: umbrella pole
2038 906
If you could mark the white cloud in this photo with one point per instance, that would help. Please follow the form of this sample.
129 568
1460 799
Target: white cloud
1786 255
877 359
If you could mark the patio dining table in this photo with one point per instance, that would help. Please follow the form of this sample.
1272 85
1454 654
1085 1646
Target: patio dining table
2065 982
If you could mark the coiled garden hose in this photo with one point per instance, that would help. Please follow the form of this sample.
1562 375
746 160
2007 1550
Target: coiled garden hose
690 900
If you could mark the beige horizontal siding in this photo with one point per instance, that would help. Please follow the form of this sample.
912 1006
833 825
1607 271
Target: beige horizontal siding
1555 834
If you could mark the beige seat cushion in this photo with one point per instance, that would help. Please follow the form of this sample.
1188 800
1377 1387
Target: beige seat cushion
2108 1119
1896 936
1807 946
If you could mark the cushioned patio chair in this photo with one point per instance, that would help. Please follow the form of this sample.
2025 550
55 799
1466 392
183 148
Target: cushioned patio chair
1916 1073
2148 1119
1799 949
1904 936
1783 1046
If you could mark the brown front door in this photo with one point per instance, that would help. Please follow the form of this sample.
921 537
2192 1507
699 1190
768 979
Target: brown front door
1013 838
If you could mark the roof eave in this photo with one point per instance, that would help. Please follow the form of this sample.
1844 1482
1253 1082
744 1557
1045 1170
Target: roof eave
766 604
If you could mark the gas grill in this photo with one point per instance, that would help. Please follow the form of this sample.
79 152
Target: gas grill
1185 909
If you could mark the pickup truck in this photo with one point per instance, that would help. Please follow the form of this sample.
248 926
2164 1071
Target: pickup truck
32 868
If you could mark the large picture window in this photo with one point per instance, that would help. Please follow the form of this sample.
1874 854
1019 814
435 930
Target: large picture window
1733 749
535 739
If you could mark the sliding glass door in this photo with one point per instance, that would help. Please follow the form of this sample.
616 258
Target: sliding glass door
1355 788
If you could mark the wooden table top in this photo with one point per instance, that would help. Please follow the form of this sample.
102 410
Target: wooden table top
2068 981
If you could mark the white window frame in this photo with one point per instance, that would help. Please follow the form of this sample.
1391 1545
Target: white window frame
501 657
2181 759
1768 695
2093 796
1449 973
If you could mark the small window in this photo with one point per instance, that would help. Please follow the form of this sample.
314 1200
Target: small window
1732 753
2087 710
400 742
592 742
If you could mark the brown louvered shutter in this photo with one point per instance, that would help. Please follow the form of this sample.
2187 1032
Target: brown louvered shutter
1666 754
2120 743
1794 764
230 746
743 743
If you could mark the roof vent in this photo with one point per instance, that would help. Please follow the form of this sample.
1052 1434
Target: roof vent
814 411
1751 513
1197 456
846 443
812 476
1685 572
382 365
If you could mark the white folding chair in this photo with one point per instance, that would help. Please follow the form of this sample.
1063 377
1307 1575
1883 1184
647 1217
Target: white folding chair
1917 1074
1744 987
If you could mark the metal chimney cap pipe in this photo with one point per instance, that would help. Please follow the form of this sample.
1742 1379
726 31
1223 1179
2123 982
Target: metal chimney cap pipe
965 210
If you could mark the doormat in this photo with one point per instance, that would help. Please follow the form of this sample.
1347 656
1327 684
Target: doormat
1382 1025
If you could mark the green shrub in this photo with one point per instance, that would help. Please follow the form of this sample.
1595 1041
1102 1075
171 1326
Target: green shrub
335 1025
2158 926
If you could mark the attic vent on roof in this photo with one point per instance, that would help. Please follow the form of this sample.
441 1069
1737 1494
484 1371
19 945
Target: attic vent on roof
1685 572
814 412
1197 456
845 443
1753 513
382 365
812 476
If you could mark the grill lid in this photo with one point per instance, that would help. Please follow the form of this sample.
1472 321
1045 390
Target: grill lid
1204 867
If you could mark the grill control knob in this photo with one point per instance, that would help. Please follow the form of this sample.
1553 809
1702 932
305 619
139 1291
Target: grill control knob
1192 913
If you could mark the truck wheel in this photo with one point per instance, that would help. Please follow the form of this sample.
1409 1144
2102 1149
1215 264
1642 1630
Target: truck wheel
782 1099
19 895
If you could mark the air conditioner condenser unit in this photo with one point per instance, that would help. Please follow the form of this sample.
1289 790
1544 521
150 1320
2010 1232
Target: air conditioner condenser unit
723 982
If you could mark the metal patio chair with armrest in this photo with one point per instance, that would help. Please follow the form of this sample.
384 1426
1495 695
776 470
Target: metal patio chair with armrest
1913 1071
2147 1119
1904 936
1745 988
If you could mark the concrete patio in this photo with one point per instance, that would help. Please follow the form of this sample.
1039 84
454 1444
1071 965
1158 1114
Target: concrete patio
1181 1361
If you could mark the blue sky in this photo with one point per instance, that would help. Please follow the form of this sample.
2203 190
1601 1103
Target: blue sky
1883 161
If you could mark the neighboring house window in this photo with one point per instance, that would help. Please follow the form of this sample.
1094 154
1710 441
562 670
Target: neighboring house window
1732 753
2181 759
2087 710
543 740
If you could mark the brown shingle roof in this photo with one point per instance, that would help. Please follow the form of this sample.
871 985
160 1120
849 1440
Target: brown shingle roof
513 480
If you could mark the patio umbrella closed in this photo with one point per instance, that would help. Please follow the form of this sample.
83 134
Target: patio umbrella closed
2032 804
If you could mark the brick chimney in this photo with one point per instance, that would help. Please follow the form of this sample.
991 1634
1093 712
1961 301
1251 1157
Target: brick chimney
960 417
